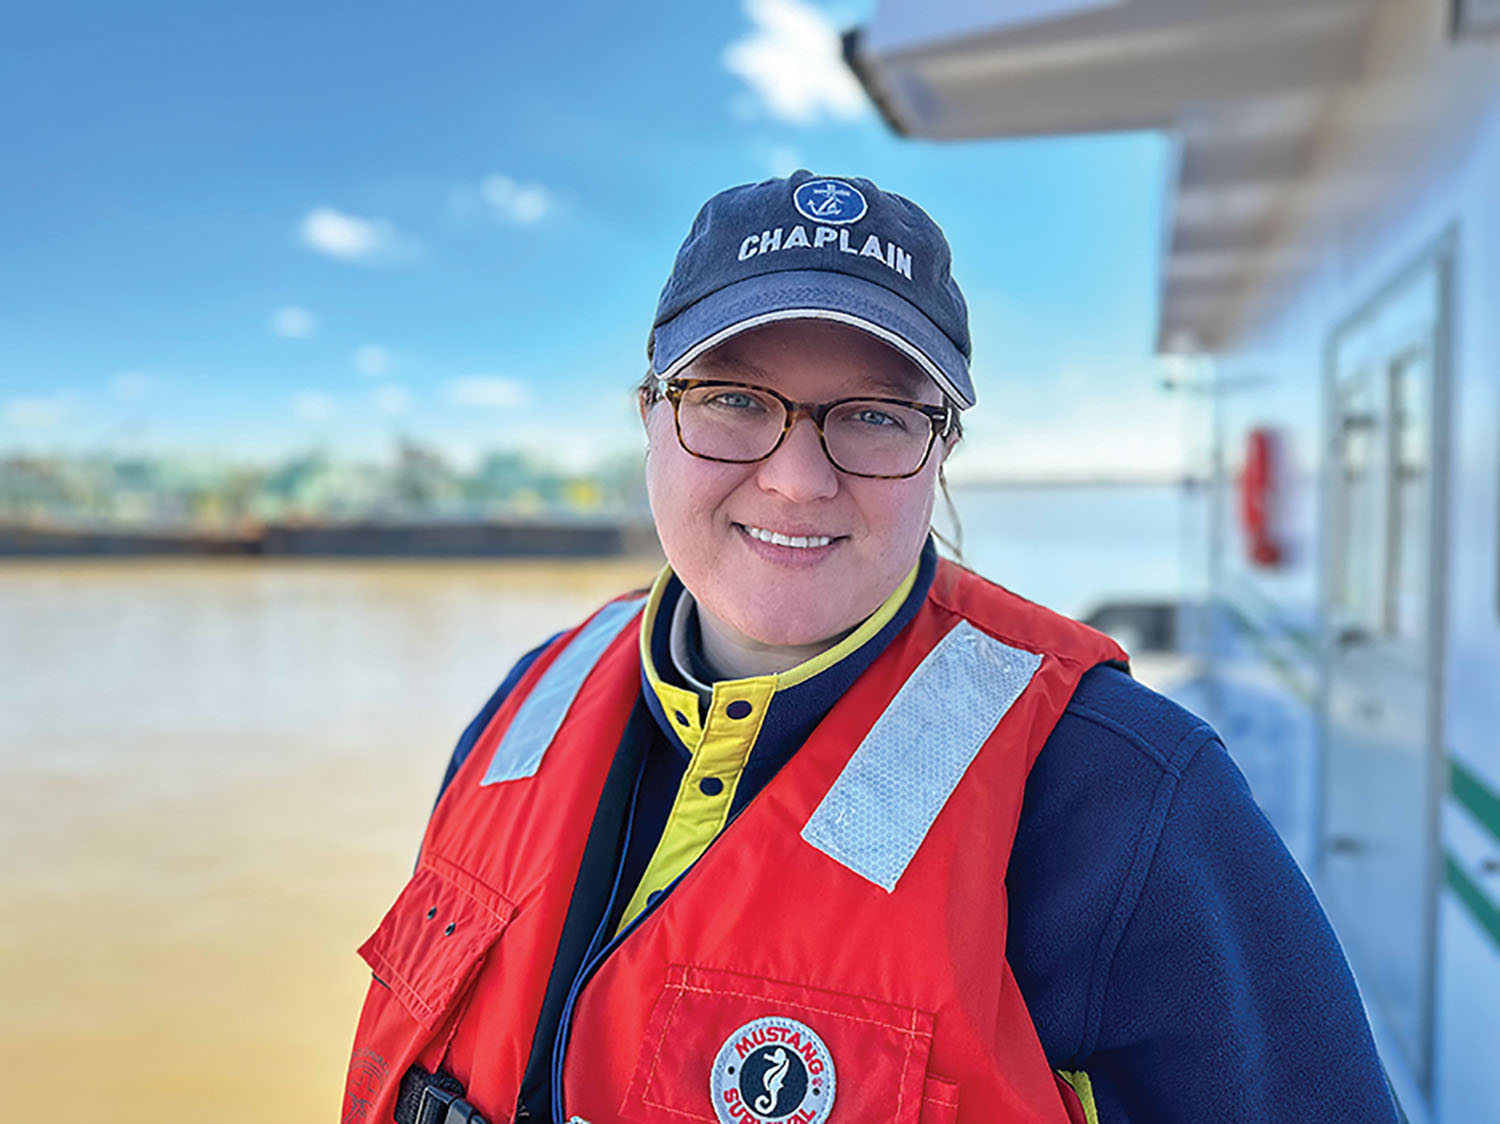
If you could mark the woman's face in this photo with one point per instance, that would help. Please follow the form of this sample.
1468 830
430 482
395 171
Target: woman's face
707 513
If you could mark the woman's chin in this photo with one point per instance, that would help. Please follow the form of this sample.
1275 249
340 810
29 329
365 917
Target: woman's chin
791 626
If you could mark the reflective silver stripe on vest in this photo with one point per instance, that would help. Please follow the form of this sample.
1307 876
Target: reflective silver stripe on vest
536 723
879 810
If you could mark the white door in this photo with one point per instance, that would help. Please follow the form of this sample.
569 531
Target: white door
1378 859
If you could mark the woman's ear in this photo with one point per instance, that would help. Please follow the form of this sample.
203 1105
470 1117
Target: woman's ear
947 445
955 432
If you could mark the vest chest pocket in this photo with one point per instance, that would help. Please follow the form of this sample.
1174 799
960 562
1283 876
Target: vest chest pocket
728 1048
434 938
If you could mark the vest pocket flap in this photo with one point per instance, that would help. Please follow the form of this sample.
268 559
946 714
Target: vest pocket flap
435 936
939 1101
760 1049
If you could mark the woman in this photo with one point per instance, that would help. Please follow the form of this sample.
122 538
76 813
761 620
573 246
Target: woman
824 828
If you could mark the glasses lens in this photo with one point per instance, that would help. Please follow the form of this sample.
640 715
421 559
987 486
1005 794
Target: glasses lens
877 438
730 423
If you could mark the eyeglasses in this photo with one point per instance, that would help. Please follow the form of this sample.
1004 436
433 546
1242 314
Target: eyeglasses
880 438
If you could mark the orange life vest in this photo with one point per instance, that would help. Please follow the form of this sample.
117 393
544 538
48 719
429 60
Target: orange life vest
837 952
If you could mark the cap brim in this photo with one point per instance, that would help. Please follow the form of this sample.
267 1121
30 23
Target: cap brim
812 294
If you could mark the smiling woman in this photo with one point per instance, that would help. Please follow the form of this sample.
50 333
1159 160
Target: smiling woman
820 803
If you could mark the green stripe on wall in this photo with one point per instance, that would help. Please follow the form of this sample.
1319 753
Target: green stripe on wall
1474 899
1475 796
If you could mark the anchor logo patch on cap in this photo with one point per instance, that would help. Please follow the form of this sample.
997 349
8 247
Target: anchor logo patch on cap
773 1070
831 201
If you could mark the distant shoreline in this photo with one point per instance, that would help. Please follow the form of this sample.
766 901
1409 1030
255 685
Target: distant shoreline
557 537
473 540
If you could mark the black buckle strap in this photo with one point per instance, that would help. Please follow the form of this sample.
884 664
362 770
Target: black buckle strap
433 1098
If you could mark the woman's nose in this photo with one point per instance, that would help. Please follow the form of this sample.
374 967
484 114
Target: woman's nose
799 470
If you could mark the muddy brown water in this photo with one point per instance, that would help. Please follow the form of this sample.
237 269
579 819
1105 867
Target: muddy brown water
213 779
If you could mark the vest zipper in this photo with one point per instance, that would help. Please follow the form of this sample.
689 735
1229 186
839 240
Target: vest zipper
594 955
590 966
593 959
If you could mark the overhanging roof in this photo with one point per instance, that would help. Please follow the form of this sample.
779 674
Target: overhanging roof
1242 84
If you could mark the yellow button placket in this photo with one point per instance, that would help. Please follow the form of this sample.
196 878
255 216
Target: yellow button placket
720 742
735 713
681 707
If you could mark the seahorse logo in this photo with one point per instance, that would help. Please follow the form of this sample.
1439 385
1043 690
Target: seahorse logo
773 1070
771 1080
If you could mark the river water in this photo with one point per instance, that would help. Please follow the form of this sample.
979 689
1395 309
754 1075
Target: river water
214 775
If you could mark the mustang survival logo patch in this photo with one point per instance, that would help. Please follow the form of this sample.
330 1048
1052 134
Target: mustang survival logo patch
773 1069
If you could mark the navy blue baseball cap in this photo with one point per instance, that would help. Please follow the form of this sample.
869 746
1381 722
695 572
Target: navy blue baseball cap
818 248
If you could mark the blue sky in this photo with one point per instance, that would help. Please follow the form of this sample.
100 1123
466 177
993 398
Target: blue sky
243 233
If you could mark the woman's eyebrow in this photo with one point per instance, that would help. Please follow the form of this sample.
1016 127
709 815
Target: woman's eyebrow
877 383
733 363
897 387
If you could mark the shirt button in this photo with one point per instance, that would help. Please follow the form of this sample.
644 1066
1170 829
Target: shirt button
653 897
738 709
710 786
682 719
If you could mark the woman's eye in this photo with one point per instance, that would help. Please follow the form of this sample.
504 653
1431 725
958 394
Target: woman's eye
869 415
733 400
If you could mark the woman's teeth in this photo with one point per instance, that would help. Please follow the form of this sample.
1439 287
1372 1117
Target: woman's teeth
778 539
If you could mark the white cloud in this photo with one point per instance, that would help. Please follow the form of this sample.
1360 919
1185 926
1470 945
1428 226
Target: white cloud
131 386
493 392
793 60
372 360
522 203
353 239
39 411
392 400
293 323
313 406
